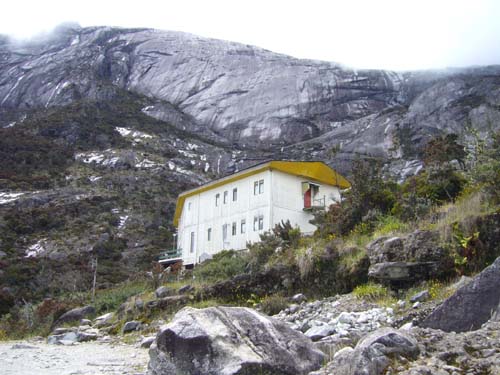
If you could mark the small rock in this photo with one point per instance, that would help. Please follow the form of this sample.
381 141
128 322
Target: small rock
318 332
298 298
185 289
163 291
131 326
416 305
85 322
147 341
420 297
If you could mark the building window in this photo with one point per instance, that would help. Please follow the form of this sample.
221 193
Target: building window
189 206
258 223
235 194
258 187
217 198
225 196
243 226
224 232
233 229
209 234
191 243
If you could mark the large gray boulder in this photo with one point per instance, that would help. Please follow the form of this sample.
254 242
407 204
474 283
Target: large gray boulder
372 354
471 305
75 315
415 257
231 340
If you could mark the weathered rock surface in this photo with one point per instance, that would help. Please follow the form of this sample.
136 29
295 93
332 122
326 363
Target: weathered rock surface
471 305
163 291
231 340
131 326
372 354
416 257
75 315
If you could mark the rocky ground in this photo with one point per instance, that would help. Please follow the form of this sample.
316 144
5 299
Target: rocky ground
37 357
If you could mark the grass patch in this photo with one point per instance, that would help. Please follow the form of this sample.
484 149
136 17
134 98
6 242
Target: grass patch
110 299
376 293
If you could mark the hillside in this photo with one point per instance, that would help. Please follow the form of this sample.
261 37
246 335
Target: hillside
102 127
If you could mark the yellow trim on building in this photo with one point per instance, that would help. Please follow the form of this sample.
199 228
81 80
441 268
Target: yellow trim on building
315 170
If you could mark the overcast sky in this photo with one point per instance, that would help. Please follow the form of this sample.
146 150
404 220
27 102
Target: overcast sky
388 34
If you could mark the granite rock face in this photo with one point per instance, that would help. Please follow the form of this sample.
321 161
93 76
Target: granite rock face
471 305
246 94
231 340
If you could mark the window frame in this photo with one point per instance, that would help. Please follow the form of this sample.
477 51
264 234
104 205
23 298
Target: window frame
243 225
217 199
225 197
234 229
191 243
261 186
235 194
209 234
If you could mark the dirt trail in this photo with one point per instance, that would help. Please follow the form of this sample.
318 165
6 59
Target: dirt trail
94 358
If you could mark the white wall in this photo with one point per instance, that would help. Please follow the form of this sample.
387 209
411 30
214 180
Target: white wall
281 199
204 214
288 200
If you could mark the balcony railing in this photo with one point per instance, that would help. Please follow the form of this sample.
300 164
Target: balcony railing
170 255
309 204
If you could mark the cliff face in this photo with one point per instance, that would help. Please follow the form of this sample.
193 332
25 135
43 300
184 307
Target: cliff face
243 93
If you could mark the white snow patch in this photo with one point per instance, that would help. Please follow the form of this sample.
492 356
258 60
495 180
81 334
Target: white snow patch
35 250
135 134
146 164
192 146
207 167
10 125
6 197
115 210
123 220
193 162
75 40
203 157
12 89
148 108
188 154
171 165
94 178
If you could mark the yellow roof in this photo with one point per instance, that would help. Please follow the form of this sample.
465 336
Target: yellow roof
315 170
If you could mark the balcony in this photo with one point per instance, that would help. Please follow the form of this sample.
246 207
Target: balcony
310 204
170 256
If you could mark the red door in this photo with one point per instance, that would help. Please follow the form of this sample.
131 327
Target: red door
307 199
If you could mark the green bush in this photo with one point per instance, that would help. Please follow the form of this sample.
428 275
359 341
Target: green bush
371 292
272 305
222 266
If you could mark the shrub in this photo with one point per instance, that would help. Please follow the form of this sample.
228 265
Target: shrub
260 252
371 292
272 305
223 265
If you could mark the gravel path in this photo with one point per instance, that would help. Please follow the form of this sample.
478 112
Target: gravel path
27 358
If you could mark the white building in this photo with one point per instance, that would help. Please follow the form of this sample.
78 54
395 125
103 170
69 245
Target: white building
229 212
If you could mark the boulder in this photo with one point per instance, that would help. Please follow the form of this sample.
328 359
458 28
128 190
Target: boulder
415 257
420 297
231 340
131 326
163 291
103 320
166 303
298 298
147 341
185 289
472 305
318 332
403 271
372 354
75 315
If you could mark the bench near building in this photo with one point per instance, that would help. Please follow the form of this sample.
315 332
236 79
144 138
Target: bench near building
229 212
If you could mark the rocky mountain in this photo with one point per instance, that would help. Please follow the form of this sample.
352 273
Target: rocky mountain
101 128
